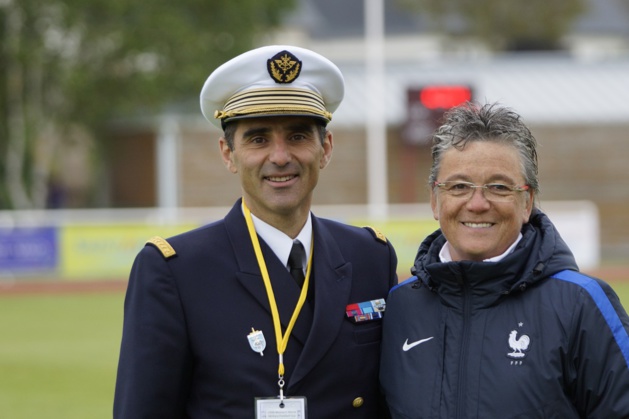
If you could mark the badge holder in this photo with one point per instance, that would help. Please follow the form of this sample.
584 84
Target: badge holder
287 408
281 407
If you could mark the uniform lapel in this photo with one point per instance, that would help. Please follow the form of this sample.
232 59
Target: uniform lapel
332 281
248 274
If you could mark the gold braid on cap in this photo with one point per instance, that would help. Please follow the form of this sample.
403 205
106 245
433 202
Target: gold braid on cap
272 110
268 101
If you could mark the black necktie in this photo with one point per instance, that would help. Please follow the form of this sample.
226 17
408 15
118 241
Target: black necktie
295 262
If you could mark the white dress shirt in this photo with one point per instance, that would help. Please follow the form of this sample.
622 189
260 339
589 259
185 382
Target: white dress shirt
280 243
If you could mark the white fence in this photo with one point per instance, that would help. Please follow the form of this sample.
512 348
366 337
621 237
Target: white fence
102 243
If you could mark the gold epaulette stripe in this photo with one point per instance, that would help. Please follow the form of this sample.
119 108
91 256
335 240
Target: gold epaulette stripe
163 246
378 234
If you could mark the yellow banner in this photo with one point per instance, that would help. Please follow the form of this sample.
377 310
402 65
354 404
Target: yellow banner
106 251
406 236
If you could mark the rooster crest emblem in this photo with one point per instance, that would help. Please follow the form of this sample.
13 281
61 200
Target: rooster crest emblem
519 345
284 67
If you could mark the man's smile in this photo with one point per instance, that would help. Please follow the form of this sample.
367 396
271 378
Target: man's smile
284 178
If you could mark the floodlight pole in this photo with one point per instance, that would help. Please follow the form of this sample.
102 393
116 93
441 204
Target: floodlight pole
167 157
376 127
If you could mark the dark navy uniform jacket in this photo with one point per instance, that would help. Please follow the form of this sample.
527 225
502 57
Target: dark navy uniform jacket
185 352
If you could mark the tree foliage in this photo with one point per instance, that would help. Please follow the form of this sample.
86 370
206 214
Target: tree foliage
503 25
68 66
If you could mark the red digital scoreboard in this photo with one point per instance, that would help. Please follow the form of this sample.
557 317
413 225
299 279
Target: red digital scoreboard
426 106
444 97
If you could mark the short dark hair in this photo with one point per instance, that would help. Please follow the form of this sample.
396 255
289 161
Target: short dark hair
489 122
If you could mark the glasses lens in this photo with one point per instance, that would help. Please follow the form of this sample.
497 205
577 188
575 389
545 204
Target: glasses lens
495 192
498 192
459 189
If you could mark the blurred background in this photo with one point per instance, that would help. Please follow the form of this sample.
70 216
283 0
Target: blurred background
103 145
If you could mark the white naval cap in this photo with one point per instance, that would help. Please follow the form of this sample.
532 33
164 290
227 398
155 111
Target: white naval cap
272 81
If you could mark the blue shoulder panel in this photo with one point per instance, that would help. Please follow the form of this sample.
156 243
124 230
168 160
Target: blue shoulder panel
406 281
603 304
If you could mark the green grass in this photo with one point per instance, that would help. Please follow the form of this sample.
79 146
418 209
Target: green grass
58 355
622 289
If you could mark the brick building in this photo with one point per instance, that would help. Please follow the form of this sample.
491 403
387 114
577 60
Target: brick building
580 118
575 102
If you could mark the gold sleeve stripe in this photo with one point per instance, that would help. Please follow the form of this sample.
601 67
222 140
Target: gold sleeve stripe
163 246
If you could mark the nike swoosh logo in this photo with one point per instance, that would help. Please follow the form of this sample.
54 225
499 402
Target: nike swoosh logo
408 346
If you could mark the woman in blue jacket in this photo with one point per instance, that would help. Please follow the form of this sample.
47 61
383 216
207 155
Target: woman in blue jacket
497 322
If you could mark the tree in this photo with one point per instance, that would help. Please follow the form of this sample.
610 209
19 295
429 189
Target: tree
503 25
68 66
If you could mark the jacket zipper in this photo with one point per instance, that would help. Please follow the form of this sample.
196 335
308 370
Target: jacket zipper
463 354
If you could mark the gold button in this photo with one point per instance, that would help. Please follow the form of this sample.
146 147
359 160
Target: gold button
358 401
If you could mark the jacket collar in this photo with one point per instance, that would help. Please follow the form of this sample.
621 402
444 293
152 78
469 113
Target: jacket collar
539 254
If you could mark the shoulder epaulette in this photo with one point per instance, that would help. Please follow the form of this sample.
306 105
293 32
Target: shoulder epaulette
163 246
377 234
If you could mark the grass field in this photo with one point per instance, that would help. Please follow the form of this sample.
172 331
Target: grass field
58 354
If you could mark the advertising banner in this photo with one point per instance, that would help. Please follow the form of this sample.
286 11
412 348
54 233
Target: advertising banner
28 249
106 251
405 235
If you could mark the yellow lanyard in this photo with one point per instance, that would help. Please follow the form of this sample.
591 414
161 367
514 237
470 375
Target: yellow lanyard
282 341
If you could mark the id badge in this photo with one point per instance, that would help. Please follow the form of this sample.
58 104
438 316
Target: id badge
288 408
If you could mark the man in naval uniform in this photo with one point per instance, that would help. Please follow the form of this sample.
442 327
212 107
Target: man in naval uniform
272 311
